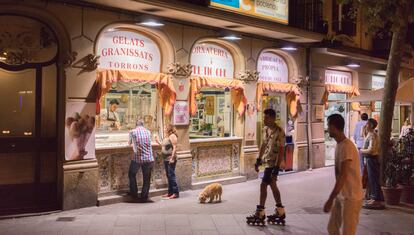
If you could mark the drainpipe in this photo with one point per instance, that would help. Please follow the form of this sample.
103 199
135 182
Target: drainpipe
309 108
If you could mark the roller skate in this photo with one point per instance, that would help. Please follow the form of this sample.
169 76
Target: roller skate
258 218
278 217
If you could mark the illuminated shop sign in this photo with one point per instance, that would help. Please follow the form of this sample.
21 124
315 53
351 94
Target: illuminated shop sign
378 82
275 10
335 77
211 60
126 50
272 68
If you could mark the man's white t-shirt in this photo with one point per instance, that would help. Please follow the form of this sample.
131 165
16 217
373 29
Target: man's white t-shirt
352 190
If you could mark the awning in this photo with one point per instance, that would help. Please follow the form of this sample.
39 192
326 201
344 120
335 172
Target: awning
164 83
350 90
292 95
405 94
236 86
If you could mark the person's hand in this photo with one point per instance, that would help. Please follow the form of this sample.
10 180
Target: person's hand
328 206
282 165
256 168
172 161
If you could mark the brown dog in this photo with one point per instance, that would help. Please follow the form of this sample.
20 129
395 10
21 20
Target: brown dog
211 192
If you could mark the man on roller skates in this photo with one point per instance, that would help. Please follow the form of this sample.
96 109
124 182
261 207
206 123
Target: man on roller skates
272 157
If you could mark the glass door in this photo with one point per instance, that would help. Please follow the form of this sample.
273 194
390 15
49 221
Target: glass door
28 140
336 104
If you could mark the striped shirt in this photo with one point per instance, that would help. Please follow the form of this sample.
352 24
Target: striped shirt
140 138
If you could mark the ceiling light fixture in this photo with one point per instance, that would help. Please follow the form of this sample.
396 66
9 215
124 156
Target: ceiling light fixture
231 38
353 64
152 23
289 48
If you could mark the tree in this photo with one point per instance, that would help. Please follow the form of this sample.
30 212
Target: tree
397 14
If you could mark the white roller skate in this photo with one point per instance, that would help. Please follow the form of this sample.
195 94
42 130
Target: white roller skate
278 217
258 218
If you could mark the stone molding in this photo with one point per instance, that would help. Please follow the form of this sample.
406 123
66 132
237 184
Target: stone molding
179 70
248 76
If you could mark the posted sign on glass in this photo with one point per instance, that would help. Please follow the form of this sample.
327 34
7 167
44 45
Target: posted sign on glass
275 10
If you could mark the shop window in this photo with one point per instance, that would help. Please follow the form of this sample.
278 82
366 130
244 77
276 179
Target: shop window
122 106
213 118
18 110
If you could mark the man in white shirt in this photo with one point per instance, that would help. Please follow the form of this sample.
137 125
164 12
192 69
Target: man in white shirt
345 201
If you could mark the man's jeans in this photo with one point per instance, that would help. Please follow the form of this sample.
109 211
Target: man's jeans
361 161
172 180
146 168
373 168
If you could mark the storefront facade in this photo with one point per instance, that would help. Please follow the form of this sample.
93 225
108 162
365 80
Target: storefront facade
332 85
107 71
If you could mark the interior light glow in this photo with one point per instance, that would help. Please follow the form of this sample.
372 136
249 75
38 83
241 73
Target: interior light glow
152 23
231 38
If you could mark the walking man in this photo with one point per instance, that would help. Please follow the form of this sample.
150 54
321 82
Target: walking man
359 138
345 201
140 139
272 157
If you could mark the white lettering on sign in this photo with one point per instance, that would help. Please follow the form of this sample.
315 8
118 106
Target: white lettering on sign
378 82
272 68
211 60
126 50
338 77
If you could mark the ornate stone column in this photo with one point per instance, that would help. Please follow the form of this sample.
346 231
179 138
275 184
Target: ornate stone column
250 149
181 74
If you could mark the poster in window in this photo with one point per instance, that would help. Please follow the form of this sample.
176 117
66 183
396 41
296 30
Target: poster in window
79 128
181 113
209 106
251 120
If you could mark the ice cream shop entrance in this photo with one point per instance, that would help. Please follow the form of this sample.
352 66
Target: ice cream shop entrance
28 127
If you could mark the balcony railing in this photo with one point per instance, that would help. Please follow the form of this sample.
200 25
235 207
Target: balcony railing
307 15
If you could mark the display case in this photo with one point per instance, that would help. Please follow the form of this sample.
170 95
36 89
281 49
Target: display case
121 107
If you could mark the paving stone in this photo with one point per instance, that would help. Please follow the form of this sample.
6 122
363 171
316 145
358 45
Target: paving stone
202 222
225 230
224 220
126 231
128 220
177 220
205 232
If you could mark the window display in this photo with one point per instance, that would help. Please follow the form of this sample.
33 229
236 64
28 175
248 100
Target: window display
121 107
213 118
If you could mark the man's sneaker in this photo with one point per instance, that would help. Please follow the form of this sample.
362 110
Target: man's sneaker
375 205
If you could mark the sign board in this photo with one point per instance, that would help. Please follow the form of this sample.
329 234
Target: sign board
336 77
251 122
378 82
211 60
127 50
272 68
79 130
181 113
274 10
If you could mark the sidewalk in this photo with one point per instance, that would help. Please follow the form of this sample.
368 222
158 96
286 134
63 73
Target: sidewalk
303 195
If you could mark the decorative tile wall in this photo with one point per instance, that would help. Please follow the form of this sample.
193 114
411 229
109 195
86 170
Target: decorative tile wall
214 159
113 171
